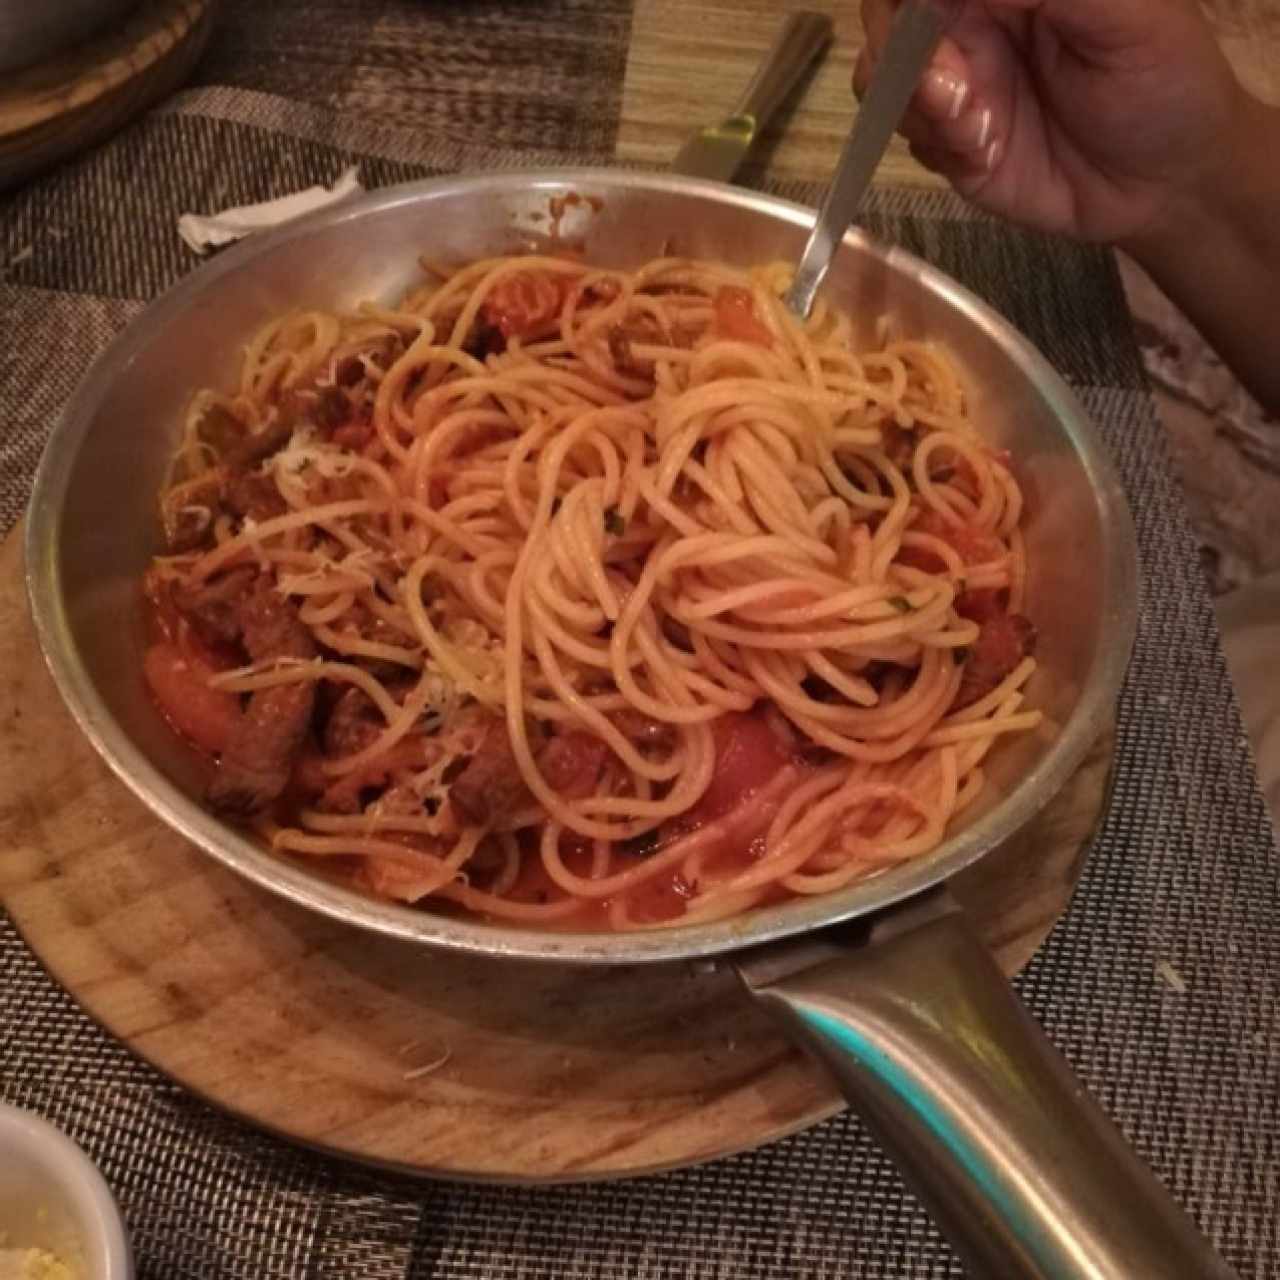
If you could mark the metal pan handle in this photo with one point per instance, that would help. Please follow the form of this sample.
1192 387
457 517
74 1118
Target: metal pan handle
1019 1167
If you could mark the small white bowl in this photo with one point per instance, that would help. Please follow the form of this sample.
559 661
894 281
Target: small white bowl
52 1197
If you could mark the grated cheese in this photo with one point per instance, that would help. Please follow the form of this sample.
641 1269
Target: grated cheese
33 1264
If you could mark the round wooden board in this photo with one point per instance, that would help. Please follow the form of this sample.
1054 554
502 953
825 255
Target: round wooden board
395 1054
61 106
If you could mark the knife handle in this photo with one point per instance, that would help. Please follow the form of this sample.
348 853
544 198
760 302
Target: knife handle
802 37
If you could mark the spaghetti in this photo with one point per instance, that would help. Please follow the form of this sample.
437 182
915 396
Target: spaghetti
591 598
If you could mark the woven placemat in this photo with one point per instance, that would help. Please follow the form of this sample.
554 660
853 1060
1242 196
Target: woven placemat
1185 871
511 72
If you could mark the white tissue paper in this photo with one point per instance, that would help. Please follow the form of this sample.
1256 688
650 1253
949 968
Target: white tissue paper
203 232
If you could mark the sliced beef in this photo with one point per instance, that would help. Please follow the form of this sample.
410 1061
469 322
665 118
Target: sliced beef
490 786
270 628
189 530
249 451
353 724
1002 643
270 734
625 359
485 339
329 409
572 762
351 792
898 444
252 494
351 370
220 429
213 607
982 604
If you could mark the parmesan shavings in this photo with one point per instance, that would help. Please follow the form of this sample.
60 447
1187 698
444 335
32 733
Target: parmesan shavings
33 1264
303 452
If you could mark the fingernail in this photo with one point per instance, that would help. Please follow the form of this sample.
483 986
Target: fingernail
972 133
943 93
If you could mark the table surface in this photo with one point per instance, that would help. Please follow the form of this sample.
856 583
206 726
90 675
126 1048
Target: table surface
1190 1073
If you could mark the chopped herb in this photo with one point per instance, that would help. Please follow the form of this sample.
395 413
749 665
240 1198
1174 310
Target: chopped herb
614 523
640 846
556 504
901 603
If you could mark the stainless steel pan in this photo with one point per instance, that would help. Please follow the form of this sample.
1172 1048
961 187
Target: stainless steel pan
884 981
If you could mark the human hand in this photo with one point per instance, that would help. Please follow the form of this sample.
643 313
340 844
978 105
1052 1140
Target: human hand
1095 119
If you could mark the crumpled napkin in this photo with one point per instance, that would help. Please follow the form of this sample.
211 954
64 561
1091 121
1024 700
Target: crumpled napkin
203 232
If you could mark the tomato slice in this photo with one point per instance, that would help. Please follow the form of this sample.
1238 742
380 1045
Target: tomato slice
748 755
523 303
178 681
735 312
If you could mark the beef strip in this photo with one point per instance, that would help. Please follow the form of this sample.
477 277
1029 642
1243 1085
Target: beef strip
220 429
355 721
328 410
350 370
624 358
257 762
189 530
572 761
213 608
491 785
251 450
252 494
485 339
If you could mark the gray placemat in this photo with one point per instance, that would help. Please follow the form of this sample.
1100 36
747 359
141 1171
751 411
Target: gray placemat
1184 871
507 71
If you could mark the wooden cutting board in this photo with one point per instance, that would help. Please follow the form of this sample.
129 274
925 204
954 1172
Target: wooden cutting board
61 106
395 1054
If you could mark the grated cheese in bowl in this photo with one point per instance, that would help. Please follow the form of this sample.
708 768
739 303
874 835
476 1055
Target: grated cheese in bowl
33 1264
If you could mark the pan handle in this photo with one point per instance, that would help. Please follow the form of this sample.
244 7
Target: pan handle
1018 1166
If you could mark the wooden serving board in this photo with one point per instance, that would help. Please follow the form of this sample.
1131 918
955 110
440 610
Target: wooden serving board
392 1053
61 106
